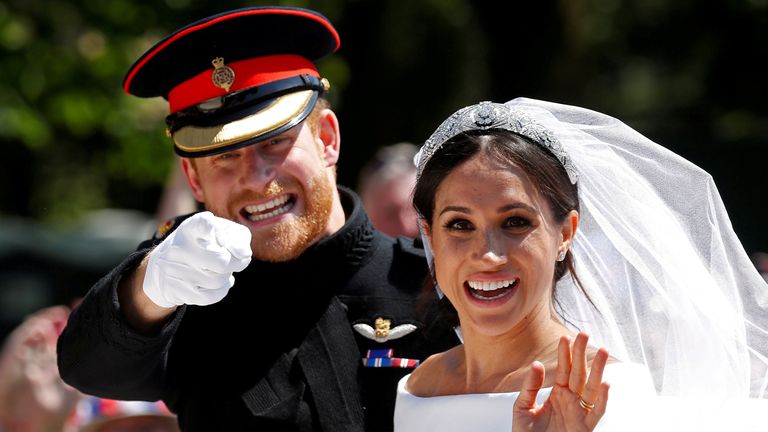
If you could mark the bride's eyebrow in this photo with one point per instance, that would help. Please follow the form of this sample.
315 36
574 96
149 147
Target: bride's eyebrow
516 205
502 209
455 209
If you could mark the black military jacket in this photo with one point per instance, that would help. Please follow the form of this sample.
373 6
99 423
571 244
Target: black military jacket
285 350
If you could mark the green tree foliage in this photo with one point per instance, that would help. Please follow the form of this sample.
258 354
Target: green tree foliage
686 73
72 135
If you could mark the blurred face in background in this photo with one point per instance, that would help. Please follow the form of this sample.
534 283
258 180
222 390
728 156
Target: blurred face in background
388 204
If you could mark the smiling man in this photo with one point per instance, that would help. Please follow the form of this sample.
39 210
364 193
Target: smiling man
258 313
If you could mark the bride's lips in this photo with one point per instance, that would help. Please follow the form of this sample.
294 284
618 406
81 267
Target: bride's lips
491 293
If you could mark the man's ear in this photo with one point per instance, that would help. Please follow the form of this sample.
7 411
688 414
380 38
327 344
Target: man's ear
190 172
329 136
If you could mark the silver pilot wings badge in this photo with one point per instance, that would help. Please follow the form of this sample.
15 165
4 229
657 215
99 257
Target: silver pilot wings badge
383 331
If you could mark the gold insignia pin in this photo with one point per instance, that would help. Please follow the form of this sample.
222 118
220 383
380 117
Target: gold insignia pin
382 327
163 229
222 76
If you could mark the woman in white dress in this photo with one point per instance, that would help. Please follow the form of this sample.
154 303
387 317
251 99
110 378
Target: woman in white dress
512 198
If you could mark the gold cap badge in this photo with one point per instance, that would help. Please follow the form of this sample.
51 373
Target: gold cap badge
223 76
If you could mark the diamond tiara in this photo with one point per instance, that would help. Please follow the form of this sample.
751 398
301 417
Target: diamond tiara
491 115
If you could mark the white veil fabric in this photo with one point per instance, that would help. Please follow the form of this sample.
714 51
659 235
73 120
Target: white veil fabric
671 284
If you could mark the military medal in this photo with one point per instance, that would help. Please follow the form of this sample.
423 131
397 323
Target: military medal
223 76
384 358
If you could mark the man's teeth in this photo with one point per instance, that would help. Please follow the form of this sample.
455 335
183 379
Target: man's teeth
267 205
490 285
268 209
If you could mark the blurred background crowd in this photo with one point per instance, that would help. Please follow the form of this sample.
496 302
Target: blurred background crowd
88 171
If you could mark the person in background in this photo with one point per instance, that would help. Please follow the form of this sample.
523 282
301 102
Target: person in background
176 198
32 395
761 263
33 398
385 186
94 414
280 307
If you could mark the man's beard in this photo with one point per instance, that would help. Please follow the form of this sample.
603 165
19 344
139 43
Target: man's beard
288 239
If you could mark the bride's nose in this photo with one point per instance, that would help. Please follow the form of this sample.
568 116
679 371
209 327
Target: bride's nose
491 248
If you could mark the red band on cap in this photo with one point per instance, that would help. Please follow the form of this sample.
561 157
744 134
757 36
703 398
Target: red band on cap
248 73
257 11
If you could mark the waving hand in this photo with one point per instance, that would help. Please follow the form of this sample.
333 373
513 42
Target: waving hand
577 401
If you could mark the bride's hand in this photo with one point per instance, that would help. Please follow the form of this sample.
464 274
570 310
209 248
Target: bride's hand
577 401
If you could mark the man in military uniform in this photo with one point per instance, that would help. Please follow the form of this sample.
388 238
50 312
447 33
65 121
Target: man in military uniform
279 308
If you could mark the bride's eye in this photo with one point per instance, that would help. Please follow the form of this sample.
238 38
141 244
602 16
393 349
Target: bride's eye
516 222
458 225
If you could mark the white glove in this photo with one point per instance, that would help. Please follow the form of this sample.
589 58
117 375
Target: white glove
194 264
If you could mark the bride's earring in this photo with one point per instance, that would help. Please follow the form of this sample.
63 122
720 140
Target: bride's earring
561 255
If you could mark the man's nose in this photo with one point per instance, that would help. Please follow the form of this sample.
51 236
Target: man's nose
258 171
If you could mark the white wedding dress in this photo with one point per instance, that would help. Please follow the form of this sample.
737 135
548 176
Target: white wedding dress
492 412
632 406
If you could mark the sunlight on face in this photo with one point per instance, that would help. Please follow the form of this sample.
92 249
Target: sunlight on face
280 188
495 244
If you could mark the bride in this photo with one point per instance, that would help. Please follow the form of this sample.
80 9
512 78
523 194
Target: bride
545 221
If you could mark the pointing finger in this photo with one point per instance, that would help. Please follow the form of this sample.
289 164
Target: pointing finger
235 238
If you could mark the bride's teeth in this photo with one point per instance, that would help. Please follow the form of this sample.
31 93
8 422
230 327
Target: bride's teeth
490 285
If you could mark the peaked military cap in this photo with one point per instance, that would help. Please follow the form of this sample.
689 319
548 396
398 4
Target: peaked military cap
236 78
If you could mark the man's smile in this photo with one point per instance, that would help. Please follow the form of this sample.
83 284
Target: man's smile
269 209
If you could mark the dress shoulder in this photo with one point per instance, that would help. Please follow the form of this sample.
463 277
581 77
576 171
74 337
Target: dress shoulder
493 411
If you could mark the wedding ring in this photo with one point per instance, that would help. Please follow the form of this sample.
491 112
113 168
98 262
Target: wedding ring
585 405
